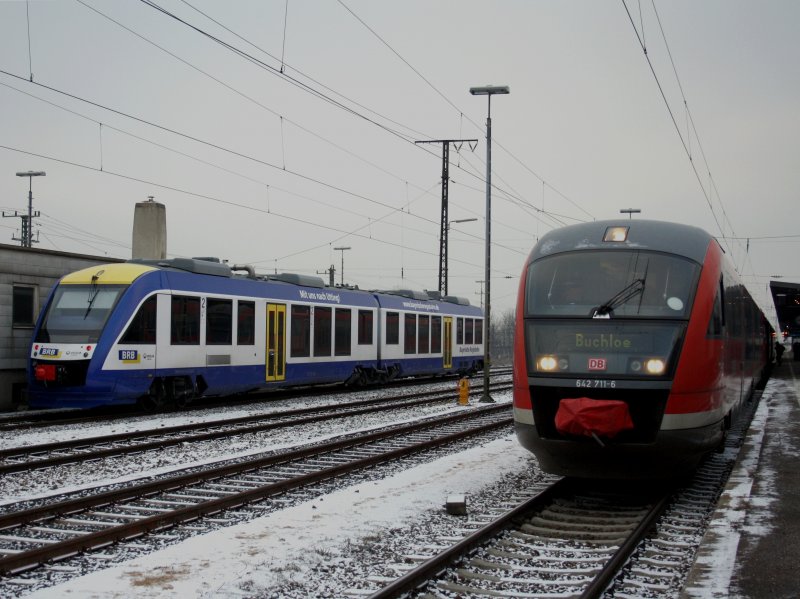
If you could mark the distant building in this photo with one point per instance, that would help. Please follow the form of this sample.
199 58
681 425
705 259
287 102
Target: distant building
26 277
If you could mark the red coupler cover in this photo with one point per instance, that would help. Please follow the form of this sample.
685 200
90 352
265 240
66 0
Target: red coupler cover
585 416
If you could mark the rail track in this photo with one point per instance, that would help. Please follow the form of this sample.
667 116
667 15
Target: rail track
21 459
33 419
569 540
59 530
577 539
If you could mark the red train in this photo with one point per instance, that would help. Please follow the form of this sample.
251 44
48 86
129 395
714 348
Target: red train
635 345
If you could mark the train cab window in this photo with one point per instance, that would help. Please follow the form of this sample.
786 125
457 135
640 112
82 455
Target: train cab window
22 306
460 331
185 320
342 332
410 329
620 283
322 331
392 328
423 335
478 331
142 329
246 323
436 334
469 331
219 322
300 344
78 313
365 327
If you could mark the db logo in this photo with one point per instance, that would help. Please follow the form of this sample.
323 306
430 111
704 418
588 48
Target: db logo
597 363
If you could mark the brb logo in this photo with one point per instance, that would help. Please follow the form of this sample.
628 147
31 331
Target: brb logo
597 364
129 356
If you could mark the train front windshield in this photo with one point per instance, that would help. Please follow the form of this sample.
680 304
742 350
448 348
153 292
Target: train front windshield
616 283
607 314
78 313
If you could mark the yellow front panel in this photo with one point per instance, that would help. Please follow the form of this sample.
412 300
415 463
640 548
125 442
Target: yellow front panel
107 274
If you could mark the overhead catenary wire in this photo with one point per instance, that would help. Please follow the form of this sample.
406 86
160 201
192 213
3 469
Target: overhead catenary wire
281 117
460 112
674 121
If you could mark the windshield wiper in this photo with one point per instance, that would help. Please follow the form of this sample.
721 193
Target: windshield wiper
93 291
620 298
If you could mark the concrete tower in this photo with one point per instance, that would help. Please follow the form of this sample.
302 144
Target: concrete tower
150 230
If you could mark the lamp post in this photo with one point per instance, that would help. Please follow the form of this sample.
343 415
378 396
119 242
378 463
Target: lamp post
443 276
342 249
630 212
489 91
27 222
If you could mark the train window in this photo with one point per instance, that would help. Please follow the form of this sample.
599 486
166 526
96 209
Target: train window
617 283
365 327
143 326
410 345
460 331
246 323
423 335
78 313
185 320
715 324
322 331
392 328
436 334
469 331
300 343
342 334
219 322
22 304
478 331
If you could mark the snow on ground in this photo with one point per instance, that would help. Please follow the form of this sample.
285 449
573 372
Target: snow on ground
251 558
113 470
744 511
287 546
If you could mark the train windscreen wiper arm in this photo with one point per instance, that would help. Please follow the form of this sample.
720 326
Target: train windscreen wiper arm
620 298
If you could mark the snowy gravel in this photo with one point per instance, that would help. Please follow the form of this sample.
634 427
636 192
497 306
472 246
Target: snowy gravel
71 477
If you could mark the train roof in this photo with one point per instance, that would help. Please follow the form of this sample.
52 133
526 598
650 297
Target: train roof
660 236
284 286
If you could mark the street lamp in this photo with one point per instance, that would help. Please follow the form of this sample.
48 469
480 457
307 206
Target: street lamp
488 91
630 212
27 226
444 275
342 249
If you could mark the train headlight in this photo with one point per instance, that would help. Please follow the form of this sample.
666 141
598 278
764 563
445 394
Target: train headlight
547 363
636 366
655 366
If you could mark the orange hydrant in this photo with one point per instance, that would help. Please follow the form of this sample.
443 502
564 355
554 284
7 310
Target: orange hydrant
463 391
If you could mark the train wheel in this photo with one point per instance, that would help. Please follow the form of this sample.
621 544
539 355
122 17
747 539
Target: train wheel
155 399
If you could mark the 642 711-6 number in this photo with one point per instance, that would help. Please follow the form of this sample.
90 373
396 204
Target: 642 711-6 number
595 384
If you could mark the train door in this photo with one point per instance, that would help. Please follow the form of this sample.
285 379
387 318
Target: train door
276 342
447 349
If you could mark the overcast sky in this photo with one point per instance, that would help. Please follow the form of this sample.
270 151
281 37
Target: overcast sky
296 134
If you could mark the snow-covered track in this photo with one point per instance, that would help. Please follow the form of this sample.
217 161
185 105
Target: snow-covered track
569 540
31 457
59 530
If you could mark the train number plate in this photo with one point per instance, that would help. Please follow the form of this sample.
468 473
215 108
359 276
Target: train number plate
595 384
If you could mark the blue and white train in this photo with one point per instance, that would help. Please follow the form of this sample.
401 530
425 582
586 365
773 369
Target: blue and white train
163 332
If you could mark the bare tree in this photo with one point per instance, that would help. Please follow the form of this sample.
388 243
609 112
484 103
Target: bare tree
502 337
